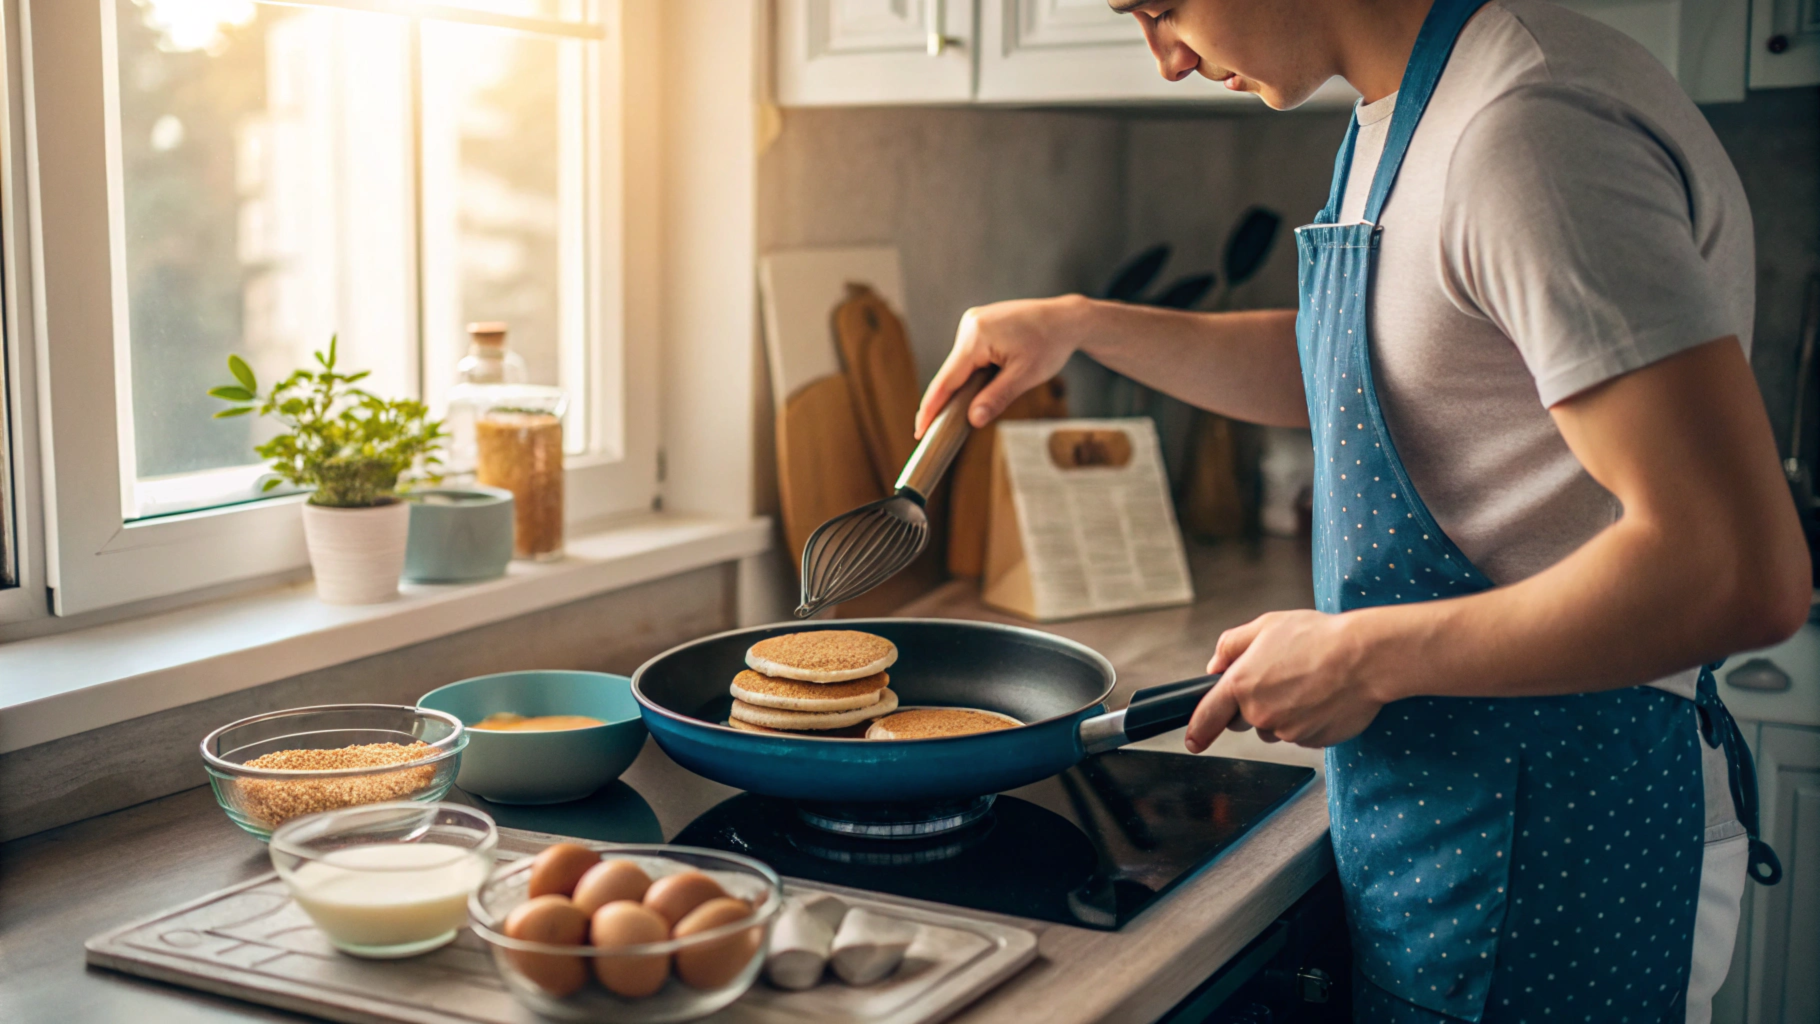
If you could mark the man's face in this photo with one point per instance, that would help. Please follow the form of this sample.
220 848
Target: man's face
1249 45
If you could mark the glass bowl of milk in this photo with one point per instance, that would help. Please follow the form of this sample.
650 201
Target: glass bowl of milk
387 880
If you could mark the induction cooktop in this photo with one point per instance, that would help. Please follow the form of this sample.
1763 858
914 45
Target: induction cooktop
1091 847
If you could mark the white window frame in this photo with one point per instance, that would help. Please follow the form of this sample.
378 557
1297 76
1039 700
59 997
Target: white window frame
27 598
95 556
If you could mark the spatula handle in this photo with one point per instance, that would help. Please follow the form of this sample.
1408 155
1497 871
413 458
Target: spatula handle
942 442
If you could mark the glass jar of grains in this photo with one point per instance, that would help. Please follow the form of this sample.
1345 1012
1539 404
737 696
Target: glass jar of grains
518 442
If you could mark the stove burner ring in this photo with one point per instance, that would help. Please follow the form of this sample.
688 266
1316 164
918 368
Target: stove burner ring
896 821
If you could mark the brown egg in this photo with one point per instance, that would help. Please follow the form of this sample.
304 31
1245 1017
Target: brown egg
715 963
608 881
559 867
625 923
555 920
674 896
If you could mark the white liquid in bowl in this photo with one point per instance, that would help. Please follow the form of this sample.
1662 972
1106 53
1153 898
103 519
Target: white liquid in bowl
384 896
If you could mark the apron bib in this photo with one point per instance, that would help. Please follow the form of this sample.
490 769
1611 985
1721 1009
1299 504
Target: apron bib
1500 856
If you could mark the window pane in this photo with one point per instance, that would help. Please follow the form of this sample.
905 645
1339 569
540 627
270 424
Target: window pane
503 165
266 153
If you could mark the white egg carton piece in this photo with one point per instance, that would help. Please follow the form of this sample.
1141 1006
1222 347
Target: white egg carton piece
252 942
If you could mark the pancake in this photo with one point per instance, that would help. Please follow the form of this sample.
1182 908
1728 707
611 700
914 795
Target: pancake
794 695
800 721
934 723
822 655
851 732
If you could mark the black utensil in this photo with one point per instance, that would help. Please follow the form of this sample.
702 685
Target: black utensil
1130 280
1249 244
1186 293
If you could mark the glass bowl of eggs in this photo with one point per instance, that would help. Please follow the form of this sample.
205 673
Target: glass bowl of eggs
628 934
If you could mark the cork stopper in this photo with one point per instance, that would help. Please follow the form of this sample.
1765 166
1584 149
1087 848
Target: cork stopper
488 332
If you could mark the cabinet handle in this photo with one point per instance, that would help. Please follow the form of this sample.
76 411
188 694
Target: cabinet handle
1778 44
939 40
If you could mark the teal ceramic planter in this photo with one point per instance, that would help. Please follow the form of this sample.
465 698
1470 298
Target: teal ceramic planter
458 534
543 767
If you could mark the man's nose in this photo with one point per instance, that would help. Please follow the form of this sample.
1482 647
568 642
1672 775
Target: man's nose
1174 59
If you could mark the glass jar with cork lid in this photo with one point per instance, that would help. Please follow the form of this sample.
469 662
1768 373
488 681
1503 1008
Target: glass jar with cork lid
518 446
489 365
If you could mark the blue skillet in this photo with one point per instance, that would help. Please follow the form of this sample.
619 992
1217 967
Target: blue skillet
1057 687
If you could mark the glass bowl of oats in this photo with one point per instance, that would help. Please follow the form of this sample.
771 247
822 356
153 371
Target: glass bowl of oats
271 768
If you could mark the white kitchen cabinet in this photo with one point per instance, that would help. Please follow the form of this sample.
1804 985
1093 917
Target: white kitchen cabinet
1775 695
1784 932
1784 43
1074 51
857 52
1079 51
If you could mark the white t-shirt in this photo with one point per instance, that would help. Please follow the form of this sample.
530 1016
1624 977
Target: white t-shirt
1564 215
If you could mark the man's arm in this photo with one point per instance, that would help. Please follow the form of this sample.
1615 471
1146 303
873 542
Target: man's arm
1707 560
1242 365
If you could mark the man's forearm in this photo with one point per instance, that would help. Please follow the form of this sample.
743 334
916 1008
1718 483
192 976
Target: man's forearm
1707 560
1242 365
1624 609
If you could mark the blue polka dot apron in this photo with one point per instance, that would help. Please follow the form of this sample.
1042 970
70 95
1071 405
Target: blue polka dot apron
1504 859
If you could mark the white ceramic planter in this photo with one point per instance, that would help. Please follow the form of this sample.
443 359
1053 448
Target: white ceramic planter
357 553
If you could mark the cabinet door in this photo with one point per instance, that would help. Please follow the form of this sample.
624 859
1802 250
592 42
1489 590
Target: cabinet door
1785 919
1062 51
854 52
1784 43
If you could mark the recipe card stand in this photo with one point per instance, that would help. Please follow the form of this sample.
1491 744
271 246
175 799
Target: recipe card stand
1081 521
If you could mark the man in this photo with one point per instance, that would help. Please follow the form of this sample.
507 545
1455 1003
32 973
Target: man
1546 495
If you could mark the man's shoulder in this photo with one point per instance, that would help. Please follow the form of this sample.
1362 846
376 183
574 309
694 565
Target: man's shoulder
1536 50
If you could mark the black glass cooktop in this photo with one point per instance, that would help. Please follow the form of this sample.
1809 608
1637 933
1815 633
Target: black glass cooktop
1090 847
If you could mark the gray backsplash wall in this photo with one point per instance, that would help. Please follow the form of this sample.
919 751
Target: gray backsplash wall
988 204
982 204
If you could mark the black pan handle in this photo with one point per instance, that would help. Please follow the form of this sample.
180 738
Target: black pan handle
1152 712
1158 709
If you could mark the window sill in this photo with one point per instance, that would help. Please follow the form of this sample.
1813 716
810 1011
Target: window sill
56 686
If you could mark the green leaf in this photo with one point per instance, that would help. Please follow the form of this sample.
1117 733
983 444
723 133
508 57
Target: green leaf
269 484
242 373
239 410
334 340
231 393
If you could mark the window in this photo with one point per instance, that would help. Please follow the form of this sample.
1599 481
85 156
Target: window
248 177
292 172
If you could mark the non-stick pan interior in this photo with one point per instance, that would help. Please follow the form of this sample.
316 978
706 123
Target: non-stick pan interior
1028 675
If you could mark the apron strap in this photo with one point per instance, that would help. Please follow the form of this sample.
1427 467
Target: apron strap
1720 729
1434 45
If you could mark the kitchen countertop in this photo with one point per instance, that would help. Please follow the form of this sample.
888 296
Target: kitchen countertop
60 887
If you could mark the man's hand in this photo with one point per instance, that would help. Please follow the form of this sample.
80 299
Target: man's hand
1293 676
1029 340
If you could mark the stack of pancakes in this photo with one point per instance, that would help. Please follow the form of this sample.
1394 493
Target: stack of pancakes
825 682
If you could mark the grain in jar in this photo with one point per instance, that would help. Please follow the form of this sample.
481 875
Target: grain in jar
521 451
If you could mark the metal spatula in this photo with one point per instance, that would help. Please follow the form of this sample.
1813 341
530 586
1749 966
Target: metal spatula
856 551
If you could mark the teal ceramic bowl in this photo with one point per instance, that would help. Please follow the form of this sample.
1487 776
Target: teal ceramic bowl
543 767
458 534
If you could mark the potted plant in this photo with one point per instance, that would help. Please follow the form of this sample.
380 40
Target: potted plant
352 448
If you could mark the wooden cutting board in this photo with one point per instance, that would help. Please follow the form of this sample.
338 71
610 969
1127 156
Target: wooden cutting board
822 465
881 371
